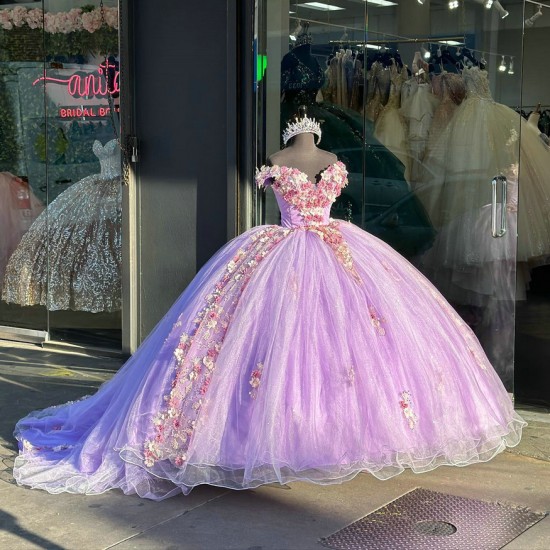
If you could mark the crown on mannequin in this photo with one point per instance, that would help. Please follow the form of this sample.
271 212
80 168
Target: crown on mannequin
302 125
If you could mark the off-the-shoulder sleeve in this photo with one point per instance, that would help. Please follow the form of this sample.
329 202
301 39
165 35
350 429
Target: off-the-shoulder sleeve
266 173
340 174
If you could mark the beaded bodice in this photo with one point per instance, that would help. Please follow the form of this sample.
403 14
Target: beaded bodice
301 201
109 158
477 83
449 87
301 76
397 78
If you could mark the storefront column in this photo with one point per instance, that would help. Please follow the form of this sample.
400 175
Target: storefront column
181 77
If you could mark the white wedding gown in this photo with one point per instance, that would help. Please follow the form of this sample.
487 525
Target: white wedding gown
485 139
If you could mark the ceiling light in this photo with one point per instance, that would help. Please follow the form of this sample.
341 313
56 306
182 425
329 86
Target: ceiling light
501 11
420 1
511 67
531 21
381 3
453 4
450 42
372 47
320 6
426 54
488 4
502 66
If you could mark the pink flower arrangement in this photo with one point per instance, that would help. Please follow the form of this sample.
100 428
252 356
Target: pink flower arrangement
63 22
310 199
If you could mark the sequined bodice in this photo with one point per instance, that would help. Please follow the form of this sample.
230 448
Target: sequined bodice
301 73
449 87
301 201
477 83
109 158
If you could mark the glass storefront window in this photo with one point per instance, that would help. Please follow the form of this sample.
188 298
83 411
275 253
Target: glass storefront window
420 101
61 261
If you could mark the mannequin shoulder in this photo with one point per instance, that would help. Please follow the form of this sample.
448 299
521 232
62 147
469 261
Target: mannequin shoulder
277 158
328 157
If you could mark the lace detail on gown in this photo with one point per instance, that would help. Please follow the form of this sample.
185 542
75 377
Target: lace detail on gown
476 81
71 256
390 126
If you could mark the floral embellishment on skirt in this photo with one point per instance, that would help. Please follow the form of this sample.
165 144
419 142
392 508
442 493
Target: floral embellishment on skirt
197 351
377 321
255 379
406 407
393 274
332 236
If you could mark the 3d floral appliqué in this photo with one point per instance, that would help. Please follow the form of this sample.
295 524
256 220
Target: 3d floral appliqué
406 407
255 379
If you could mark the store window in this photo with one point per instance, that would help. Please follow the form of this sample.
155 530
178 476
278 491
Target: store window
60 181
421 101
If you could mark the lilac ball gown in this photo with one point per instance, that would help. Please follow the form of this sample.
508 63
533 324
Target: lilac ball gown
307 351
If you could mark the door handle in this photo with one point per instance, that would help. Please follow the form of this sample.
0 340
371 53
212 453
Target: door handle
498 227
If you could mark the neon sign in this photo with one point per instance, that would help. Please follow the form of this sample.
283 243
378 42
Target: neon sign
86 85
91 111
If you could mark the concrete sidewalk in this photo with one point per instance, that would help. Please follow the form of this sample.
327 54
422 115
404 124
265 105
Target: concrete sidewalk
292 517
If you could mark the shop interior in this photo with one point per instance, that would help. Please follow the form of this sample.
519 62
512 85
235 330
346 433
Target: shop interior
441 112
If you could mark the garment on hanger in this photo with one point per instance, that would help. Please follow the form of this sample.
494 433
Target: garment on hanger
482 141
390 126
380 82
473 269
344 130
356 100
70 258
417 109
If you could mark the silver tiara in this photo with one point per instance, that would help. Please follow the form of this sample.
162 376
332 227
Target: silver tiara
304 125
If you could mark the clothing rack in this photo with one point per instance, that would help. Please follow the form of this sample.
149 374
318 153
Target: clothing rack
543 107
395 38
538 3
326 24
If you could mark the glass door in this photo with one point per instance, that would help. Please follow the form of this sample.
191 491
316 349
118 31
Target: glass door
533 305
61 267
23 183
420 100
443 96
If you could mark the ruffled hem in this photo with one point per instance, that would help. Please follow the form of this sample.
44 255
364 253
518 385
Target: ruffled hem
156 485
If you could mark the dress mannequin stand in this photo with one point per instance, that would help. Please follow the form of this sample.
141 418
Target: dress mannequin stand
304 155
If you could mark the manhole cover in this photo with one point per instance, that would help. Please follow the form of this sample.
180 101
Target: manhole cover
438 528
454 522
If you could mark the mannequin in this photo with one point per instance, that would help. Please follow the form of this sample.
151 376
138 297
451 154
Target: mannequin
302 153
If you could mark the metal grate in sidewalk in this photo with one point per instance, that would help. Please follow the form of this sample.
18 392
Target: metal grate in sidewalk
428 520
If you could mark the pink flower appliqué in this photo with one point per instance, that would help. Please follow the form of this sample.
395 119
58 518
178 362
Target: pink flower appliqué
377 321
309 199
196 353
406 407
255 379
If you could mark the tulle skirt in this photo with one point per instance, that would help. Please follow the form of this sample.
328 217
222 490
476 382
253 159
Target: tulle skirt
534 197
71 256
486 139
295 354
468 265
390 130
